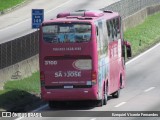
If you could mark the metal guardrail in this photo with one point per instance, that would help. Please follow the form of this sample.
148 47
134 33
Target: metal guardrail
24 47
128 7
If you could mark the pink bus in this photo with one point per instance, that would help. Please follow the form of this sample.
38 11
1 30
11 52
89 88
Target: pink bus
82 57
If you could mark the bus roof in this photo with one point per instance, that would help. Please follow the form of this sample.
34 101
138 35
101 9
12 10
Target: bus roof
83 16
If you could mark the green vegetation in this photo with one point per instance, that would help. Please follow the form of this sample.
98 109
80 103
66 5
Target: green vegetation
144 35
30 84
5 4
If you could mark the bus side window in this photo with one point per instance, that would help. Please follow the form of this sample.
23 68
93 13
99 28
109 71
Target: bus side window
98 41
96 30
115 28
118 26
105 37
112 29
109 28
101 37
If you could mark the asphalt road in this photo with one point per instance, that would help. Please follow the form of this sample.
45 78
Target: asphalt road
142 92
18 22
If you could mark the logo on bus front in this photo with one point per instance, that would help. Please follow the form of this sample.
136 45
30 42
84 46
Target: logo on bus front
67 74
83 64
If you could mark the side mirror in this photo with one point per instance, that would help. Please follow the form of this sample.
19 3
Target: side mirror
128 47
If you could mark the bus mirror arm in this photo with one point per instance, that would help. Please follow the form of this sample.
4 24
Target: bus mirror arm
128 47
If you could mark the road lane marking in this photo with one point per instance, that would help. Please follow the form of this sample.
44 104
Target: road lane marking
149 89
142 54
40 108
93 119
36 110
132 60
29 19
58 6
120 104
19 118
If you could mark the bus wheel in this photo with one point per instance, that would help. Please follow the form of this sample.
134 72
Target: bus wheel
116 94
105 99
121 86
100 103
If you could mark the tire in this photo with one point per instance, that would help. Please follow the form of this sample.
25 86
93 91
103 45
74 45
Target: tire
116 94
105 99
121 86
100 103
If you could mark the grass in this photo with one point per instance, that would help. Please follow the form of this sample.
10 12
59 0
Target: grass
30 84
5 4
148 33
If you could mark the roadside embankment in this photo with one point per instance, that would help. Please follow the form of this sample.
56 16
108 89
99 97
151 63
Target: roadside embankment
10 5
145 35
139 17
21 95
20 70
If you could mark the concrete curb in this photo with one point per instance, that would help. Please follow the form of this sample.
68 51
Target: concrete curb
15 7
19 70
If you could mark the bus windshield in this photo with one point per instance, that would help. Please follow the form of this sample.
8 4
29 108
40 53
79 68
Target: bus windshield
66 33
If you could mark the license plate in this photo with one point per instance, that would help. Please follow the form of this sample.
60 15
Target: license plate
68 87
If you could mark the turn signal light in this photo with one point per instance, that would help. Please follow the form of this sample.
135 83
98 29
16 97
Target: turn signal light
94 78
